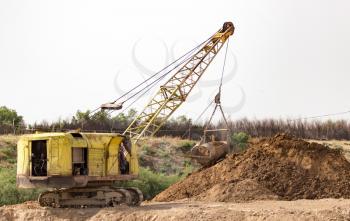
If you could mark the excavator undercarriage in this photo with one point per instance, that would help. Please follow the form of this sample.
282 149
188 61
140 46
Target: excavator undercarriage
104 196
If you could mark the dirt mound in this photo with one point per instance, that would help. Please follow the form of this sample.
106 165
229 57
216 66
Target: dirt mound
239 191
281 167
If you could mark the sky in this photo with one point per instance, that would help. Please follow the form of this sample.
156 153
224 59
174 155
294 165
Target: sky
286 59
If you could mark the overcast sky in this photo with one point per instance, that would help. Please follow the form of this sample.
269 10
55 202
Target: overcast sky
287 58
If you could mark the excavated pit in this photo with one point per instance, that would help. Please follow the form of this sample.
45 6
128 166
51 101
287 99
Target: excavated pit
282 167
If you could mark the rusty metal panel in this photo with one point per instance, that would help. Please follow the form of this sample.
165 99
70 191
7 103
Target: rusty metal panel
96 161
59 156
23 165
65 153
53 166
78 155
112 160
79 142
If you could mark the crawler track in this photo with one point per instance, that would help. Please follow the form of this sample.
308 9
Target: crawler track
91 197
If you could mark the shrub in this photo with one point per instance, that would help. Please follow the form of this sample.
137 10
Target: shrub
149 150
151 183
186 145
240 140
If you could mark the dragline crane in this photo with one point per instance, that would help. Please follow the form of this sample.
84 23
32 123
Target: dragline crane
83 167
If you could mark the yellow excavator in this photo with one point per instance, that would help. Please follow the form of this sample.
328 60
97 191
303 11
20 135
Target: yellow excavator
79 168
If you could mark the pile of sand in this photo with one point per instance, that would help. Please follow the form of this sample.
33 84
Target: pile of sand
281 167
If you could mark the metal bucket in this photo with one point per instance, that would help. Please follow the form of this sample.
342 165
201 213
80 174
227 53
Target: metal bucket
209 153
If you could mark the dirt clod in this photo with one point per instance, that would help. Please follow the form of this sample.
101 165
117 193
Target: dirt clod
282 167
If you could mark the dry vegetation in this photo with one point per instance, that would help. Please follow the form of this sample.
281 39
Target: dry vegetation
8 151
166 155
9 139
320 130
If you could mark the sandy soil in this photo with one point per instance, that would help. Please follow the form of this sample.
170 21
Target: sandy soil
281 167
336 144
324 209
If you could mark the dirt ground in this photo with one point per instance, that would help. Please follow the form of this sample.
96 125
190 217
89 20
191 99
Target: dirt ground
324 209
278 178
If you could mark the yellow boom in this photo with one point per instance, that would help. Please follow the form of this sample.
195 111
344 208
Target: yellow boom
175 91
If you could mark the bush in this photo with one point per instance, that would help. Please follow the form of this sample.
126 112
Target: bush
9 194
186 145
151 183
149 150
240 140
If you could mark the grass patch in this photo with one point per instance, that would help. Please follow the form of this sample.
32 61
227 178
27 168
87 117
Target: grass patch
7 153
9 194
151 183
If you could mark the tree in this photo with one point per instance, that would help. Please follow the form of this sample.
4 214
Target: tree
125 119
182 119
101 117
131 114
10 117
82 116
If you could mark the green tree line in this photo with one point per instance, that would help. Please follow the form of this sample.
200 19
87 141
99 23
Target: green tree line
181 126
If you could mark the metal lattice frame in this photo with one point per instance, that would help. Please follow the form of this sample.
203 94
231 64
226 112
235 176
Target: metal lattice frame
175 91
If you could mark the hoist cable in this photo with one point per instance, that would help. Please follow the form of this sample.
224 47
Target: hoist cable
154 75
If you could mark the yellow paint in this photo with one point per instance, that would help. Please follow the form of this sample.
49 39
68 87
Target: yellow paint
23 157
134 163
54 164
102 153
112 158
